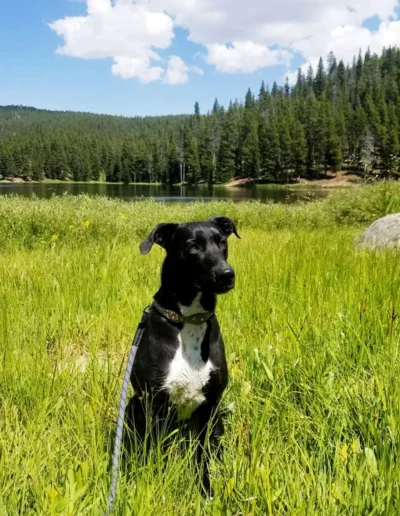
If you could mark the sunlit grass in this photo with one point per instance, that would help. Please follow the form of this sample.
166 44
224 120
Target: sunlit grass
312 337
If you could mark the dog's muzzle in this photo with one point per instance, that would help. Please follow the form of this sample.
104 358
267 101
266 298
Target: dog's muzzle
225 280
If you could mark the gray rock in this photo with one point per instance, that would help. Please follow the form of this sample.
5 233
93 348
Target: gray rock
383 233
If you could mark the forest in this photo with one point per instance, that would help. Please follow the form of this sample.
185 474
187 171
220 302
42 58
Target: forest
337 117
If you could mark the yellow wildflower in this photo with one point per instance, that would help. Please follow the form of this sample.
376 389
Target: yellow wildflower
344 452
52 494
121 216
230 485
54 238
247 388
86 223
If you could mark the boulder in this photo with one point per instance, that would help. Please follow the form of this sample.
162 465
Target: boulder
383 233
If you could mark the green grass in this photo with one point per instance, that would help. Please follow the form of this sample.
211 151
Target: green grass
313 344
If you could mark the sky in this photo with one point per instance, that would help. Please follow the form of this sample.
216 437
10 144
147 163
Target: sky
158 57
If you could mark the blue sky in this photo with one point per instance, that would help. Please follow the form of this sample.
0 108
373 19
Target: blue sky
155 57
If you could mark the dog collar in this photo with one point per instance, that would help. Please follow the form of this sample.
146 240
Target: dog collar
176 317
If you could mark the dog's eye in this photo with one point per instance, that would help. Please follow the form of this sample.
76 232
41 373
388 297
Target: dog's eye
193 248
223 244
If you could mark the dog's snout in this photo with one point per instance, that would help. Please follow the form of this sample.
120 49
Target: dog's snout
226 279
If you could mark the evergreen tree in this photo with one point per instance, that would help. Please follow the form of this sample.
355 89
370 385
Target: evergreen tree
173 163
332 64
250 152
226 153
299 149
320 80
192 161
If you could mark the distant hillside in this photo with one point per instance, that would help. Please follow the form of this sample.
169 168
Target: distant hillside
334 117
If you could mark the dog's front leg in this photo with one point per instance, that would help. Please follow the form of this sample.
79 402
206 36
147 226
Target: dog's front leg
211 429
148 418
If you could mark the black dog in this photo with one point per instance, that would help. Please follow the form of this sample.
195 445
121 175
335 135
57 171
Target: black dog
180 370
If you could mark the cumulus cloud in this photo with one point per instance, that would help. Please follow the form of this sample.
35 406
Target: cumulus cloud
136 67
235 37
177 71
242 56
345 42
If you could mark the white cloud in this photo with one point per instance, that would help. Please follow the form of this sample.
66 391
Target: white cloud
123 29
136 67
177 71
345 42
236 37
242 56
196 69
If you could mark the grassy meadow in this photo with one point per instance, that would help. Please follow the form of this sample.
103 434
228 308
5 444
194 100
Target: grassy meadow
312 333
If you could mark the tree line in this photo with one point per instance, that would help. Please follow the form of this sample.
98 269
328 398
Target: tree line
335 117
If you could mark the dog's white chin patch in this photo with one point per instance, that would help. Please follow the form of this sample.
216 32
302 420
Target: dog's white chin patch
188 373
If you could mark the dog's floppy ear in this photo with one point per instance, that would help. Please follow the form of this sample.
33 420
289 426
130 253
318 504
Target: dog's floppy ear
226 225
162 235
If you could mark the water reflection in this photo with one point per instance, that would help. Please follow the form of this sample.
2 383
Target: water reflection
166 193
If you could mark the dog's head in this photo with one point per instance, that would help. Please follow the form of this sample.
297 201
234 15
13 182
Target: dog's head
197 253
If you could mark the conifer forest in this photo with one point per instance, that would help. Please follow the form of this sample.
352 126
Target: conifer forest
336 117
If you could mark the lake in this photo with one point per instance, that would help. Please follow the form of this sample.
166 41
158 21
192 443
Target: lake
165 193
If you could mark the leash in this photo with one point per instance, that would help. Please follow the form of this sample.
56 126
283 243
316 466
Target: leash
121 413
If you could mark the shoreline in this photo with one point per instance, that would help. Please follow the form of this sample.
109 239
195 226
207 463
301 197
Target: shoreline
339 181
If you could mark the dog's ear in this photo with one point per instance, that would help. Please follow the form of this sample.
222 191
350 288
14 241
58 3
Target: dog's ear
226 225
162 235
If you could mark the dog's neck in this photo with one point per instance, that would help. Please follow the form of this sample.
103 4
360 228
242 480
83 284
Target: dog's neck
187 301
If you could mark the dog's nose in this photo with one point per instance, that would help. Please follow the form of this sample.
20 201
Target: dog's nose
228 275
226 279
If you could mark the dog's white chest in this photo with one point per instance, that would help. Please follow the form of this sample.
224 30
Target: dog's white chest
188 373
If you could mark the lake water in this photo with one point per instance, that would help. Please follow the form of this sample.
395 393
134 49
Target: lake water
166 193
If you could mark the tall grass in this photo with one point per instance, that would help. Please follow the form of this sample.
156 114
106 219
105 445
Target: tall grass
77 221
312 336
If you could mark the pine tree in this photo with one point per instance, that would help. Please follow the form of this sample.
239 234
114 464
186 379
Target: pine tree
75 165
250 152
300 83
285 142
299 149
320 136
206 156
192 161
341 75
226 153
117 172
173 163
359 66
320 80
391 146
332 64
95 162
264 147
27 168
310 77
286 88
249 102
216 107
274 159
333 149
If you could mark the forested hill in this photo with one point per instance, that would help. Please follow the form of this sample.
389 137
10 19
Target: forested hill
334 117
